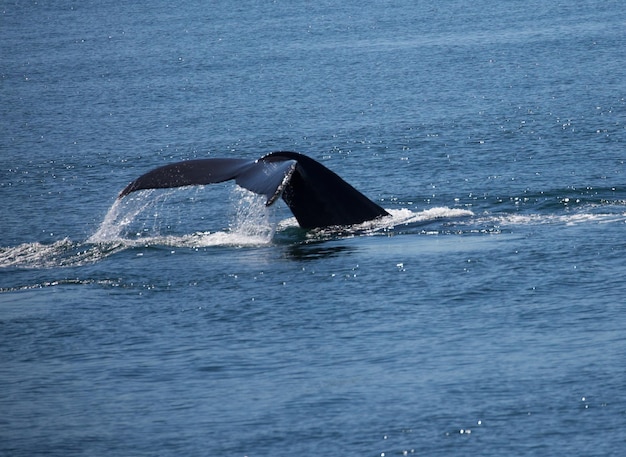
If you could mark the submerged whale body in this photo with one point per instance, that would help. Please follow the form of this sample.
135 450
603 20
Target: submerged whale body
316 196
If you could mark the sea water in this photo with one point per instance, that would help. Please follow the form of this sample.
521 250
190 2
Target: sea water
483 316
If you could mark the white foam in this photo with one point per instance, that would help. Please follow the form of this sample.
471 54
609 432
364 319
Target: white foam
200 240
405 216
62 253
30 253
569 219
396 218
252 225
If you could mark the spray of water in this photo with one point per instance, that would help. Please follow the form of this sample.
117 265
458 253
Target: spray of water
252 217
121 214
250 222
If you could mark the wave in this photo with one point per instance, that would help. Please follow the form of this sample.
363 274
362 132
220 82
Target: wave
252 226
62 253
67 253
554 219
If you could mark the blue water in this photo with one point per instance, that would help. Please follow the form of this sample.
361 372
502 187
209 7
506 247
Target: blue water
485 316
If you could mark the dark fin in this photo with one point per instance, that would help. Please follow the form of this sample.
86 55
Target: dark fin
189 173
267 178
261 177
318 197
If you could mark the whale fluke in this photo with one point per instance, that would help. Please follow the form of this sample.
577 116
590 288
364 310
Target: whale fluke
316 196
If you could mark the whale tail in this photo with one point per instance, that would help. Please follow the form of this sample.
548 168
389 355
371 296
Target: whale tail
316 196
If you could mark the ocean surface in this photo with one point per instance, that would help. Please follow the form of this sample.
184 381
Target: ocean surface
485 316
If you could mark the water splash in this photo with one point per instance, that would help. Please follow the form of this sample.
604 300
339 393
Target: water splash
121 214
568 219
62 253
252 218
249 225
396 219
406 216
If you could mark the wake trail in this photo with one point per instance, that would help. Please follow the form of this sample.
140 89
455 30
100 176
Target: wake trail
137 223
